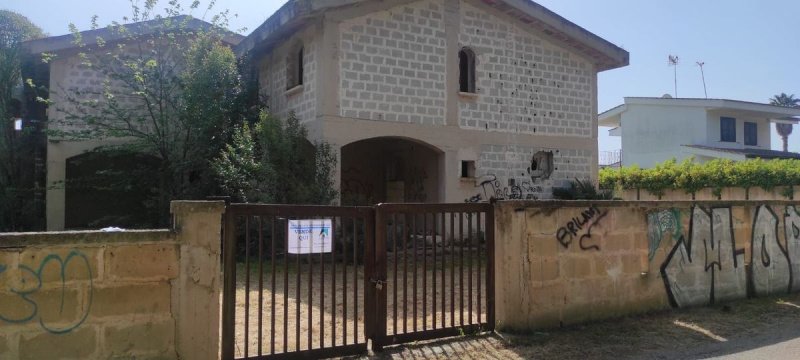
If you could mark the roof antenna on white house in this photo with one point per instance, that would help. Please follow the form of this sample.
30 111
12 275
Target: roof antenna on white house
703 75
673 61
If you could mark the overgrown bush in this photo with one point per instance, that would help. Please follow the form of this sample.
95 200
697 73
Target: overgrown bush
691 176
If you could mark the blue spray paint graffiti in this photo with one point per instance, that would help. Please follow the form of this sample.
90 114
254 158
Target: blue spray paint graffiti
25 291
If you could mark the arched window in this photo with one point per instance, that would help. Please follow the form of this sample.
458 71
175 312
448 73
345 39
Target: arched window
294 67
466 66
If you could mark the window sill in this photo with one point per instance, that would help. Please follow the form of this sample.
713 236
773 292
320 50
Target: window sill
295 90
468 95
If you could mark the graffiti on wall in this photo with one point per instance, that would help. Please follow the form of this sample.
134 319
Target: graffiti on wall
25 283
709 265
660 223
580 227
492 189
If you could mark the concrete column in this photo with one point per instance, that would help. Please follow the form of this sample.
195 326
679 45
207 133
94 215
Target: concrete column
452 27
196 296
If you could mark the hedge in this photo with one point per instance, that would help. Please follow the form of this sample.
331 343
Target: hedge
691 176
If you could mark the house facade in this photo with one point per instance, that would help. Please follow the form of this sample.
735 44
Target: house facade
438 100
654 130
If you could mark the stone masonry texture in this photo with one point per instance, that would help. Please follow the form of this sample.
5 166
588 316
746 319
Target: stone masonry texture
524 83
392 65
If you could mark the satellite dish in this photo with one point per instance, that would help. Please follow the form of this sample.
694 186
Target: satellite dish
666 96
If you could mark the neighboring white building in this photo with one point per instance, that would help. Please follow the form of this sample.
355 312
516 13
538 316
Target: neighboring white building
654 130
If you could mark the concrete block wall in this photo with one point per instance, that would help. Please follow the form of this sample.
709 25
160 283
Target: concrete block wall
392 65
504 162
728 193
561 263
273 78
100 295
524 83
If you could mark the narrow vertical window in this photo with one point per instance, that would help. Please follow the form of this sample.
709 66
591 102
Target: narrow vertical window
466 66
294 67
300 66
727 129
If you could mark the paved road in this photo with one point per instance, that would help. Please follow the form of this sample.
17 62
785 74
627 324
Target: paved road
778 343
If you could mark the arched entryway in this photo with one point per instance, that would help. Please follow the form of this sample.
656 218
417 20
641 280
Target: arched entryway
389 169
109 189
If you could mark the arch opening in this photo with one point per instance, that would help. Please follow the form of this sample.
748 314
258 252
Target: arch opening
389 169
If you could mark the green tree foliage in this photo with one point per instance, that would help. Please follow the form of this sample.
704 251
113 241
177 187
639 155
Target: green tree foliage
691 176
783 99
273 162
171 90
16 194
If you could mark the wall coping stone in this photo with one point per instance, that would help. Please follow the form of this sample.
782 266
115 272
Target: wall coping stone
525 204
92 237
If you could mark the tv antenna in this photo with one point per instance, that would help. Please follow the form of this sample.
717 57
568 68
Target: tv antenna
673 61
703 75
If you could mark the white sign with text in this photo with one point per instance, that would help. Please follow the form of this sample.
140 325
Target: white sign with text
310 236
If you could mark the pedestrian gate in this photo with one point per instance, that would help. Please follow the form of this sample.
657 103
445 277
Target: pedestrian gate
321 281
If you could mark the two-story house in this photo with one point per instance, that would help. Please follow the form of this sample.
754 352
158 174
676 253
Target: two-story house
438 100
654 130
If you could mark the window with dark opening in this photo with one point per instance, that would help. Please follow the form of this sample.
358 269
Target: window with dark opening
727 129
467 169
466 66
294 67
750 134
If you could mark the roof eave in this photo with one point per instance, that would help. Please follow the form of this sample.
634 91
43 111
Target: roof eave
89 37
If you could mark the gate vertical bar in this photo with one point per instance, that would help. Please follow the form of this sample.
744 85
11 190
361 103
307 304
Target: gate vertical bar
490 267
376 267
229 285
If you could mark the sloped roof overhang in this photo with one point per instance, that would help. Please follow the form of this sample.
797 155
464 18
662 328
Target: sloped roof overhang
297 13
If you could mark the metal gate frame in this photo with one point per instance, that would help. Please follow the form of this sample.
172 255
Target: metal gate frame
379 336
375 273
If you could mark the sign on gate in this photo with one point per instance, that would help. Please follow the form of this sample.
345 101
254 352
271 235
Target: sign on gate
310 236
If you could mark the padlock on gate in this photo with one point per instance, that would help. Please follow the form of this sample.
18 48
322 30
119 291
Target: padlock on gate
378 284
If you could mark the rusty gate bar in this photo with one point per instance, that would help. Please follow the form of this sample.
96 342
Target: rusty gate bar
354 226
470 308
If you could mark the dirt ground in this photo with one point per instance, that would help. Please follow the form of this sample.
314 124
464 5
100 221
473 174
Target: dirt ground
314 305
679 334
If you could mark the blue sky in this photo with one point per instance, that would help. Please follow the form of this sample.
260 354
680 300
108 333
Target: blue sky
750 48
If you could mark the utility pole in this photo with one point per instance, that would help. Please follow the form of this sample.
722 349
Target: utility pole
703 75
673 61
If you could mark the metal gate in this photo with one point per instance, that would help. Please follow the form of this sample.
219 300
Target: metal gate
395 273
434 267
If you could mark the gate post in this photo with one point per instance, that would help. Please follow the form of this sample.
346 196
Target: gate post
490 265
229 284
378 286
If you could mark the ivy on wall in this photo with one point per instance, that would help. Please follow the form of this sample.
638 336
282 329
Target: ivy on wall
691 177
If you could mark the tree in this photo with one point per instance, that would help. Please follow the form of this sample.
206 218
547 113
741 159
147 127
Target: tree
171 89
16 192
275 163
784 130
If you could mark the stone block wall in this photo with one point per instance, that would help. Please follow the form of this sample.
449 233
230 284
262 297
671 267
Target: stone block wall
392 65
507 169
728 193
100 295
561 263
524 83
273 78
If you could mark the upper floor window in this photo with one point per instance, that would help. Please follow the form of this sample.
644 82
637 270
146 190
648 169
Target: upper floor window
727 129
466 67
750 134
294 67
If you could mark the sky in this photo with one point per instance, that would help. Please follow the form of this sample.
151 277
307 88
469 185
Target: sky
750 48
